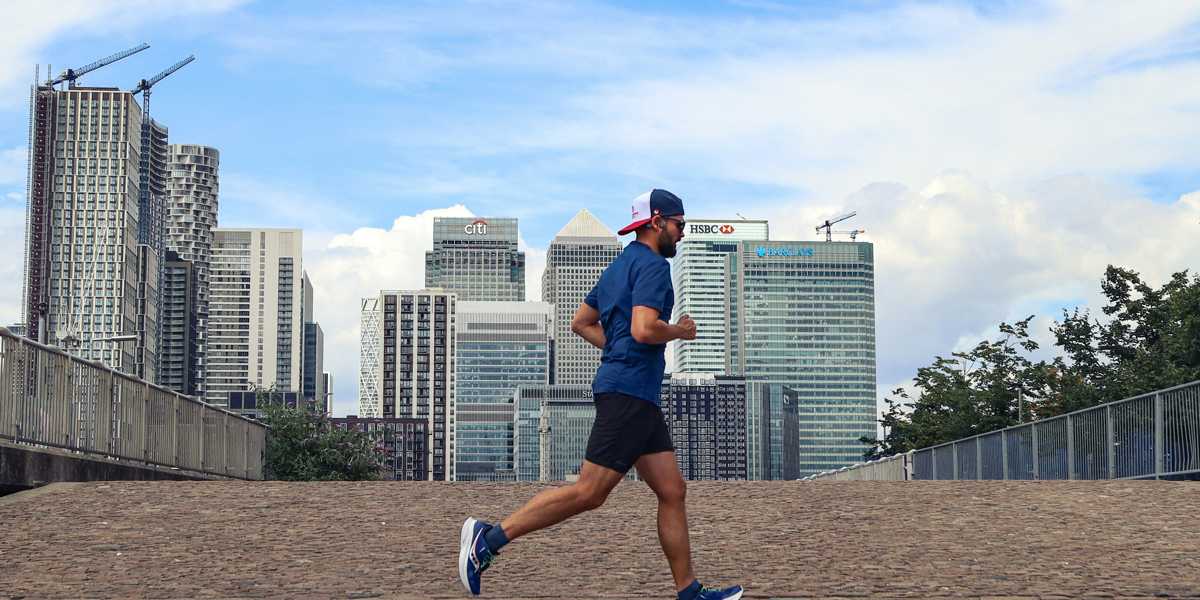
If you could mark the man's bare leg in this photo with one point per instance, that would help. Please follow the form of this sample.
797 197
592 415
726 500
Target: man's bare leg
661 473
554 506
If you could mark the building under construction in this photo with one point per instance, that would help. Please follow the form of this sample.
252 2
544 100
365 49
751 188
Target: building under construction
95 227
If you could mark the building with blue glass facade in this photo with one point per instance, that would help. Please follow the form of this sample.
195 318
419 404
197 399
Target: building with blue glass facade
556 419
500 346
802 314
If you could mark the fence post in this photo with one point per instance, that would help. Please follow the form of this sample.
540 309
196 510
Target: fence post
978 458
1158 436
224 443
1111 447
933 462
203 424
954 457
1036 456
1070 448
146 428
175 430
1004 454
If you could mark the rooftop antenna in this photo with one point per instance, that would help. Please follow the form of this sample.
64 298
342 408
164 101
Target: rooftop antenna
70 75
828 225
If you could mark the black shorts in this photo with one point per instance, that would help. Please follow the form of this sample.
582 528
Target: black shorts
626 427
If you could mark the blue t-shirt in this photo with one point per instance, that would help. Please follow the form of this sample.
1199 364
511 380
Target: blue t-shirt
638 277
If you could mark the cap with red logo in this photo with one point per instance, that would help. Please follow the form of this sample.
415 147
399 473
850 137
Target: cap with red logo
654 203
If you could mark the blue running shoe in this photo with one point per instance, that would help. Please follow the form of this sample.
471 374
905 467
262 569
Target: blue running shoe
474 556
729 593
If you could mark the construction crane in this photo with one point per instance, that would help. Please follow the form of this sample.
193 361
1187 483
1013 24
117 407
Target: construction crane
144 85
70 75
828 225
853 233
147 233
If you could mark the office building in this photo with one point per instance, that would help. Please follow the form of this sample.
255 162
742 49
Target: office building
312 379
177 346
576 258
698 274
192 187
407 365
552 427
477 258
500 345
707 417
773 427
326 405
802 314
80 286
403 441
258 299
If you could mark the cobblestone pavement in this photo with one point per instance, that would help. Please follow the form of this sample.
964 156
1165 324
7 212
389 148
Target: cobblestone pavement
778 539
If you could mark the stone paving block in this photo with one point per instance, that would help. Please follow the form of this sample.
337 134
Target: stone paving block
780 539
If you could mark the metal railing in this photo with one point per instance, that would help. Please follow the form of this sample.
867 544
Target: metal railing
52 399
1152 436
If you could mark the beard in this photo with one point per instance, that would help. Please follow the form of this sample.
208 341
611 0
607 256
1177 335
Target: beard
666 245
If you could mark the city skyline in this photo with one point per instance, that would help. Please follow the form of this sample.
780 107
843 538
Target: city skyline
998 192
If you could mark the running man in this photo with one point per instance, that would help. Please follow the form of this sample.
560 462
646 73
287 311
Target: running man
627 314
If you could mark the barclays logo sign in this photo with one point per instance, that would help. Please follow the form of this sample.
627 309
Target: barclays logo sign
783 251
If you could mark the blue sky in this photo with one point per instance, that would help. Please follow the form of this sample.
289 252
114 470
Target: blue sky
961 132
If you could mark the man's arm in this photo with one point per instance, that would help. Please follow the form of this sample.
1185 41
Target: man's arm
647 328
586 324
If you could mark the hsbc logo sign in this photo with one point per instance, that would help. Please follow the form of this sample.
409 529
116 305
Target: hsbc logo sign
477 227
710 229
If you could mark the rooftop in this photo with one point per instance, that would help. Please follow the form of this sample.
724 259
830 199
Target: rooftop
858 539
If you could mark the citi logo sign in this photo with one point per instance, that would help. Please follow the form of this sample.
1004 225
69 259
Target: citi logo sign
477 227
710 229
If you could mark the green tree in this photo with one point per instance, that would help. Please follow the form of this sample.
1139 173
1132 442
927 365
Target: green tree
303 446
1149 340
992 386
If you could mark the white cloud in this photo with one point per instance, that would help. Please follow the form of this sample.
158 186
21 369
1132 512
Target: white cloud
357 265
957 257
12 269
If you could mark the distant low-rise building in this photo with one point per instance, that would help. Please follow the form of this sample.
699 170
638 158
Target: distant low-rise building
402 440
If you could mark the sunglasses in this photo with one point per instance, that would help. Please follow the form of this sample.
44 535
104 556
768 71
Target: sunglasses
680 222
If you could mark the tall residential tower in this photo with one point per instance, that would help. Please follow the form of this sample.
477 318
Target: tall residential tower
407 365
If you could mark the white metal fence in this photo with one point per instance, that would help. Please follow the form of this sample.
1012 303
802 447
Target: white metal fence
1152 436
49 398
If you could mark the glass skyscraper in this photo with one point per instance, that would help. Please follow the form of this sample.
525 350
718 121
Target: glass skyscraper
802 314
476 258
558 418
500 345
699 279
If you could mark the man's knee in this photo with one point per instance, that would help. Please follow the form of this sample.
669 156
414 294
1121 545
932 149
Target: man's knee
674 492
590 497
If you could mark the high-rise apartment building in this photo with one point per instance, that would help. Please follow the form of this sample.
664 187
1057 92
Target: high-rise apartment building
802 314
257 310
146 323
477 258
576 258
192 188
312 379
556 419
698 275
499 346
177 324
407 366
707 417
82 258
